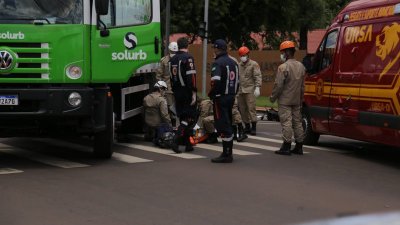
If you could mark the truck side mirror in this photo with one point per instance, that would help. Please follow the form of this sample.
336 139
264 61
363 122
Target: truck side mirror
102 7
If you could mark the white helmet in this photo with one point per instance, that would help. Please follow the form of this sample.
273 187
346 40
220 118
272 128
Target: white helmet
161 84
173 47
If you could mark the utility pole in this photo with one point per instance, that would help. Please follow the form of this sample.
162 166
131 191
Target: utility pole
205 40
167 25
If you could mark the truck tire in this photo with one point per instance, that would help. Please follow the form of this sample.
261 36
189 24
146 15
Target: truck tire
310 137
103 141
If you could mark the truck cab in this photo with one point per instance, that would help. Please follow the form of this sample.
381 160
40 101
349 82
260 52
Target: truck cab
75 67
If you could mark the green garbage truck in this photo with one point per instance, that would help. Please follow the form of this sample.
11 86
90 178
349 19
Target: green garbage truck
76 67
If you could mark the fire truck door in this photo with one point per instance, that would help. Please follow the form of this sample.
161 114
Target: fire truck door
345 91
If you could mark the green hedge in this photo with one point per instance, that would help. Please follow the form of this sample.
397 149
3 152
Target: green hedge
263 101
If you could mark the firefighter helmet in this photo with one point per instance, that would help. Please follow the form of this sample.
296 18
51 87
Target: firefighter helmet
173 47
286 44
243 51
161 84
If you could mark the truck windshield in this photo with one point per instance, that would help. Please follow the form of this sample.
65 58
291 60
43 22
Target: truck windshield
45 11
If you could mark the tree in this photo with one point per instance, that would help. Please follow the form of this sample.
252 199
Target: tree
333 8
234 20
310 14
186 16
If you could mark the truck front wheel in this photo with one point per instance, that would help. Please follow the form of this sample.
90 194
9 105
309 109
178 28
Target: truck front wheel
103 141
310 137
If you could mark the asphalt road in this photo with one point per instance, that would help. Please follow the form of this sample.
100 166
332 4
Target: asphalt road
53 182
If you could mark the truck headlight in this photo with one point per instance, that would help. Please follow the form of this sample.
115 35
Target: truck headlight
74 72
75 99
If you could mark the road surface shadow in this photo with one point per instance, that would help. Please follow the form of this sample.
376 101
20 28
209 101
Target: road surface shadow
377 153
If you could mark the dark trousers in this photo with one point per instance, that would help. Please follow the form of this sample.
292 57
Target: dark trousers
223 115
187 118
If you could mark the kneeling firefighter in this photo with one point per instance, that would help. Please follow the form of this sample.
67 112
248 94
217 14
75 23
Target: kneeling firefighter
156 112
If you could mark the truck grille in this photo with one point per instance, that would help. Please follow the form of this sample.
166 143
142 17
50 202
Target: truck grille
33 60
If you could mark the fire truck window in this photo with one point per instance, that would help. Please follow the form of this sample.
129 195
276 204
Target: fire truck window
329 51
316 63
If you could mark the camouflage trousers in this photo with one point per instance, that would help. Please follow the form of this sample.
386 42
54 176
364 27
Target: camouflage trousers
247 107
208 124
170 103
236 118
290 118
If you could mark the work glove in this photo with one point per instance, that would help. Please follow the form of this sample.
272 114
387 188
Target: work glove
194 98
257 92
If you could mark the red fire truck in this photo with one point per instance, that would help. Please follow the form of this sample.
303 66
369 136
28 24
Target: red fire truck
353 86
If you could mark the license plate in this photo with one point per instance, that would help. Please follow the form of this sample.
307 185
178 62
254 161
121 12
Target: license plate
8 99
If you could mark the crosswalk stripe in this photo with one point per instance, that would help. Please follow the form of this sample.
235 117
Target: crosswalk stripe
216 148
161 151
264 139
117 156
262 147
219 149
258 146
129 158
9 171
306 146
40 157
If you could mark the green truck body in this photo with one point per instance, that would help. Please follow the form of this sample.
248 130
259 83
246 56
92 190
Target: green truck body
66 70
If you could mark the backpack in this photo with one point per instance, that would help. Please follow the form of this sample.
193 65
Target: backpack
165 136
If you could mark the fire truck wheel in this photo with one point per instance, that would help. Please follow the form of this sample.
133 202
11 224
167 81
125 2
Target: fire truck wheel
103 141
310 137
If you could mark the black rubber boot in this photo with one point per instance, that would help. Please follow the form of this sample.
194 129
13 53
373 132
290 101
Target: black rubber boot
175 144
241 135
285 149
253 128
179 138
186 139
298 148
247 129
229 151
226 156
235 132
212 138
189 148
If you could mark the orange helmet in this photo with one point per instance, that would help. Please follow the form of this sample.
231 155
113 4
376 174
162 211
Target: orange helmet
286 45
243 51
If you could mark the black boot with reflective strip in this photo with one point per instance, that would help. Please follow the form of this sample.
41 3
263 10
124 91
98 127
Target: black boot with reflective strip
285 149
298 148
226 156
241 135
